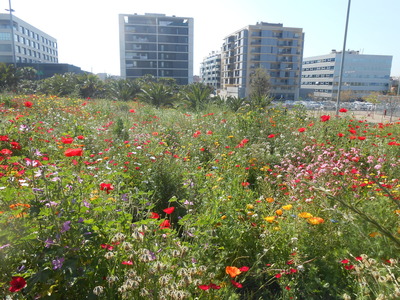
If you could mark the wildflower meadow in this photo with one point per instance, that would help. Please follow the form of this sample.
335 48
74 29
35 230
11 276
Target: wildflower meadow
103 199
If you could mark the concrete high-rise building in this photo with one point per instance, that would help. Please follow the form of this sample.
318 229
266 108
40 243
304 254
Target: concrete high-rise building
24 43
158 45
210 70
277 49
363 74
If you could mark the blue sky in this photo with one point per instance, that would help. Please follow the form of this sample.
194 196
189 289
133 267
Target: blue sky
88 35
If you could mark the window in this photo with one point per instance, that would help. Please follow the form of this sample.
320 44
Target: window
5 36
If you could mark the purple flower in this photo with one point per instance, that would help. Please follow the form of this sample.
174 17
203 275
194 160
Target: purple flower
65 227
48 242
5 246
57 263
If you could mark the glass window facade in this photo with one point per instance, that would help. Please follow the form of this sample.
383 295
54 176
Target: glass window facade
158 45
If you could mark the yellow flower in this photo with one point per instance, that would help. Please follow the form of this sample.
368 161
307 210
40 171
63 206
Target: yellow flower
315 220
223 217
250 206
397 211
287 207
269 219
279 212
305 215
270 200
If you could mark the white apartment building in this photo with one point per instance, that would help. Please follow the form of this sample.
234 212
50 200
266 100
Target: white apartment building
277 49
158 45
210 70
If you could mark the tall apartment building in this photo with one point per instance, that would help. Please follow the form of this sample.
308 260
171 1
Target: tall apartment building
210 70
362 74
271 46
24 43
158 45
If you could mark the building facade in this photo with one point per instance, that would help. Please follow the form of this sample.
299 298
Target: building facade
277 49
24 43
158 45
210 70
363 74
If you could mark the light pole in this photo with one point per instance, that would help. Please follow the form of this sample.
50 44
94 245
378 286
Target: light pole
12 33
342 62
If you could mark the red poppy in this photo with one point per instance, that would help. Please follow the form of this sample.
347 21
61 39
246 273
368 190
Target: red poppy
154 215
169 210
204 287
17 283
165 224
344 261
325 118
127 262
359 258
67 140
28 104
132 110
236 284
214 286
107 247
244 269
349 267
106 187
6 152
80 137
15 145
343 110
73 152
271 136
301 129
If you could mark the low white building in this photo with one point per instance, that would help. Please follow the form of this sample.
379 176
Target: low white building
363 74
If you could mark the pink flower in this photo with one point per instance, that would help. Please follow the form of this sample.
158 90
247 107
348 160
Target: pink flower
127 262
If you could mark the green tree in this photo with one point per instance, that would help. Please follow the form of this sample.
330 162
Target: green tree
260 87
157 94
196 95
60 85
8 77
90 85
123 89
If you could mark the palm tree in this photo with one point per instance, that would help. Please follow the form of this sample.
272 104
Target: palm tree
157 94
123 89
196 95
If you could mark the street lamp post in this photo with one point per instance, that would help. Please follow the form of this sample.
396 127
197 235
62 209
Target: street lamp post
12 33
342 62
